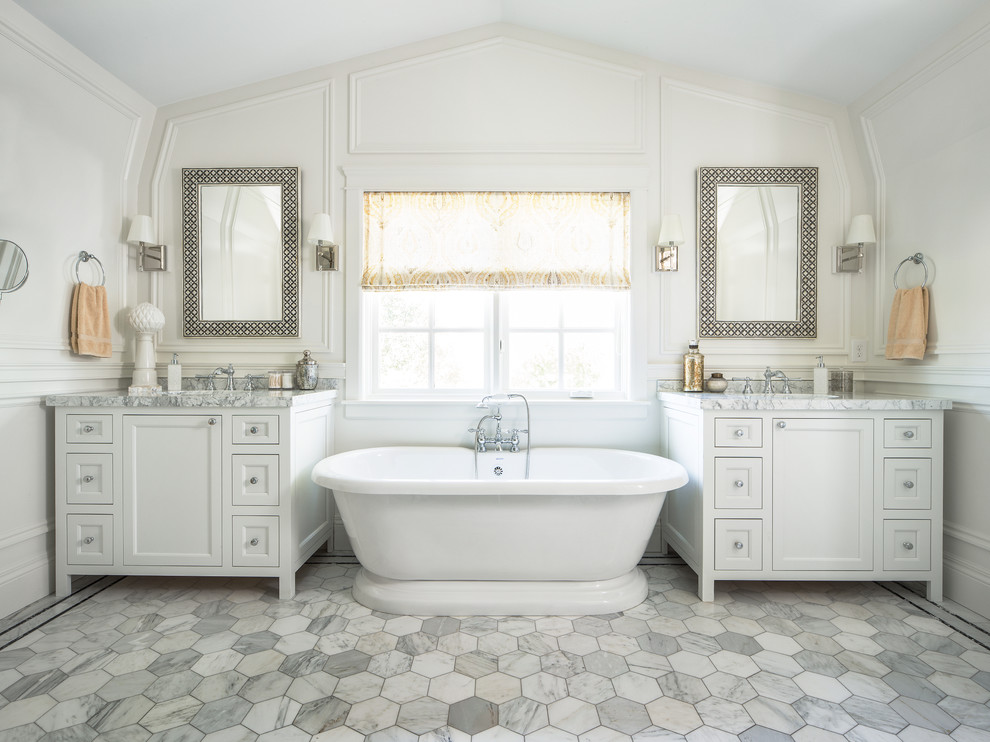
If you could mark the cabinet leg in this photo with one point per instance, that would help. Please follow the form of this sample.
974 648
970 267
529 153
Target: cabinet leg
63 583
706 589
287 586
934 590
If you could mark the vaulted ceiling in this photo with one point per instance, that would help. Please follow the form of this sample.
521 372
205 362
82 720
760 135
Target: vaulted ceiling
172 50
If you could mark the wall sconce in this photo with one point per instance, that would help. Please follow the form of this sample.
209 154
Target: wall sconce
671 235
321 235
151 256
849 257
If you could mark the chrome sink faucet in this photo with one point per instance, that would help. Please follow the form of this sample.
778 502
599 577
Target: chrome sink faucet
229 372
769 376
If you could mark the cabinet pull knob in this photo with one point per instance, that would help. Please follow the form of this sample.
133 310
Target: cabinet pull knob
908 545
253 542
212 421
88 428
739 483
909 484
88 478
909 434
253 430
781 424
253 480
738 544
88 540
740 433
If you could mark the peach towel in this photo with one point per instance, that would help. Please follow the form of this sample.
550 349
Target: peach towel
89 321
907 333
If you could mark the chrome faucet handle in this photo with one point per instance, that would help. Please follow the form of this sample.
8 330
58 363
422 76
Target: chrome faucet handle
748 388
210 386
251 378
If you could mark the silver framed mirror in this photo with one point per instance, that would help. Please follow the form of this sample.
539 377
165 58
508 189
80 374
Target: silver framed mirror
14 268
758 252
240 252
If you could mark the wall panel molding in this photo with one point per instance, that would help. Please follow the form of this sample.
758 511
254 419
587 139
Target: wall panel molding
582 105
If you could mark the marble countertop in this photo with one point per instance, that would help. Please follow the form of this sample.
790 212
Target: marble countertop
728 401
193 398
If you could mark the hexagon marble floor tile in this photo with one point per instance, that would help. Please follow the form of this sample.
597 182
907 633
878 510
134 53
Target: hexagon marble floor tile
218 659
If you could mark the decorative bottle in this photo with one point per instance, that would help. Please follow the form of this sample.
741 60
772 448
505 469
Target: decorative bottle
307 372
694 369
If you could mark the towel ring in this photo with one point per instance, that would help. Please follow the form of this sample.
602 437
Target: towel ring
85 257
918 259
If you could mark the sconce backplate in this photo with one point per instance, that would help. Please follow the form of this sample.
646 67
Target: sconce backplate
848 259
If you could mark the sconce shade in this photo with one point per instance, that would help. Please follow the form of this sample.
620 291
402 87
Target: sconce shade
670 230
141 231
321 230
861 231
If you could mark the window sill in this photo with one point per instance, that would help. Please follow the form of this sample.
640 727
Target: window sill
548 410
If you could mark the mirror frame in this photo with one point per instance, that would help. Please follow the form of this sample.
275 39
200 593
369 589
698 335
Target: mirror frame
193 324
806 179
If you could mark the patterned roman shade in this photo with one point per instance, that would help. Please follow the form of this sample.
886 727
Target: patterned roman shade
495 240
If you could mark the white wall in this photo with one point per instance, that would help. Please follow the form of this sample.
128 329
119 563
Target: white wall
504 107
71 140
926 132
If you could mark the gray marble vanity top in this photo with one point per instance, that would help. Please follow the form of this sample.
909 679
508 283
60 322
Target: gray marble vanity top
728 401
193 398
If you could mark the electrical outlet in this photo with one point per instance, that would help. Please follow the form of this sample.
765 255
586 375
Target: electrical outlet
858 352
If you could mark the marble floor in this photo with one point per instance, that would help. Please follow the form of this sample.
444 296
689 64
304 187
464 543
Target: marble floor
182 659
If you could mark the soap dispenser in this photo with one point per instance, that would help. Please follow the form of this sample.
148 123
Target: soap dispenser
821 377
174 380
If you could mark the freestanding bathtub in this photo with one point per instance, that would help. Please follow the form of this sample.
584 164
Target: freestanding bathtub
445 531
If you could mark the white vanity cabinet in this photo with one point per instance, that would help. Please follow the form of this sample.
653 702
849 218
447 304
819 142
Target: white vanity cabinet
805 489
190 485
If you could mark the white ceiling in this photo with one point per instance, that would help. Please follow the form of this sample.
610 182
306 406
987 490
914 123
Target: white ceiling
172 50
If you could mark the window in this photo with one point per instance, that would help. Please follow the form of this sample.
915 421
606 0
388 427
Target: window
476 292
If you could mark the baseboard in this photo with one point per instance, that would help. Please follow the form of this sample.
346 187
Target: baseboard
966 584
24 584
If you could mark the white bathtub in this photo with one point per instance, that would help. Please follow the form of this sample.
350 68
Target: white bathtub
436 538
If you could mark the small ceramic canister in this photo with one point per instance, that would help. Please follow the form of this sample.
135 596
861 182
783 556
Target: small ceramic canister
716 383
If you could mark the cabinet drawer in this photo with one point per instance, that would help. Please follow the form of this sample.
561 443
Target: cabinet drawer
89 539
89 478
907 433
741 432
255 478
907 544
255 541
738 543
255 429
738 482
88 428
907 484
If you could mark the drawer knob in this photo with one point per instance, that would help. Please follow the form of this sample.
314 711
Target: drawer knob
212 421
88 478
909 434
253 480
908 545
739 483
909 484
88 540
738 544
254 542
781 424
253 430
88 428
740 433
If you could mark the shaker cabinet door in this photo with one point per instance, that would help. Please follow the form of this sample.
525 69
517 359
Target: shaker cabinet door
172 496
822 493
